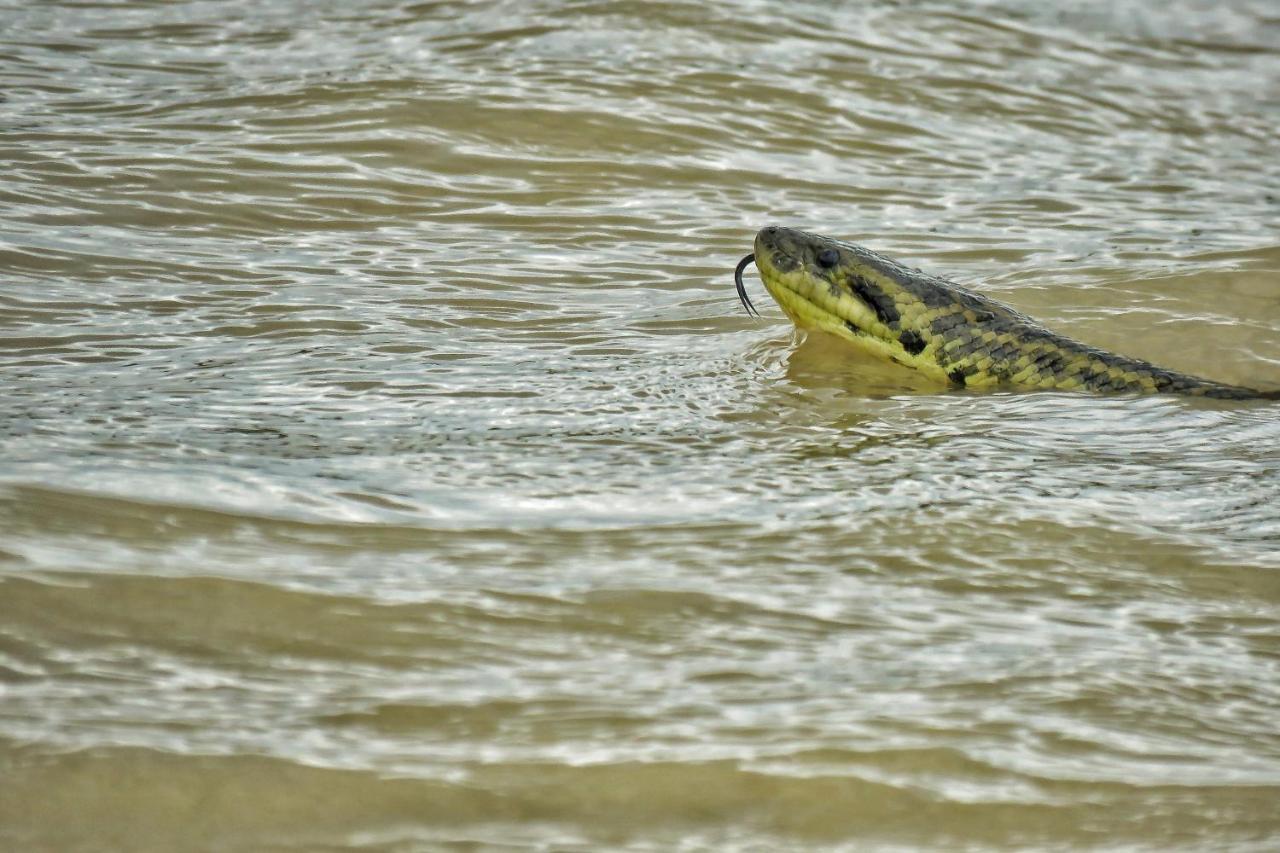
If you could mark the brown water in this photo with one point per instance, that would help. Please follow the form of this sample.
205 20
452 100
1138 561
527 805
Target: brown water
386 463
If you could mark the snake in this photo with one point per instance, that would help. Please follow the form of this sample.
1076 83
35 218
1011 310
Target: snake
954 336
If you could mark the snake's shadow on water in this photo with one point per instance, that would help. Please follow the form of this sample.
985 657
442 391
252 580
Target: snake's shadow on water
815 360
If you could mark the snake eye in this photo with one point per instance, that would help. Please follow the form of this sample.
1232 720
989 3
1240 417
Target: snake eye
828 258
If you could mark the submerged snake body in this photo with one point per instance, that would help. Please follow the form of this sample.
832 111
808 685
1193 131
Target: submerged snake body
939 328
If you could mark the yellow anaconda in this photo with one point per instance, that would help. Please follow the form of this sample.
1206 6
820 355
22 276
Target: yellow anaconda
939 328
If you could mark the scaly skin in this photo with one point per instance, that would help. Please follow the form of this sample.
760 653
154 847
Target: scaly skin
946 332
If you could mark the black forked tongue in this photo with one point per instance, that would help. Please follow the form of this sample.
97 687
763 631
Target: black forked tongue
742 290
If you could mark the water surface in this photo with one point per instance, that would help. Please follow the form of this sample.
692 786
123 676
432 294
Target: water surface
386 463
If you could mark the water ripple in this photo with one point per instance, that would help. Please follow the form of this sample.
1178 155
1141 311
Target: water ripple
382 431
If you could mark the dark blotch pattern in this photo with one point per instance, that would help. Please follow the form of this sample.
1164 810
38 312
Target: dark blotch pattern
935 294
911 342
1005 353
1092 378
944 324
876 299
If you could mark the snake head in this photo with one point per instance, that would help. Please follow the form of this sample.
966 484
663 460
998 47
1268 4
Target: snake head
851 292
820 282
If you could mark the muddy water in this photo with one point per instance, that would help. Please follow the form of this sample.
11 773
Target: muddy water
386 463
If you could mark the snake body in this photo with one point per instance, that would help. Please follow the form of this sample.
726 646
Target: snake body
941 329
